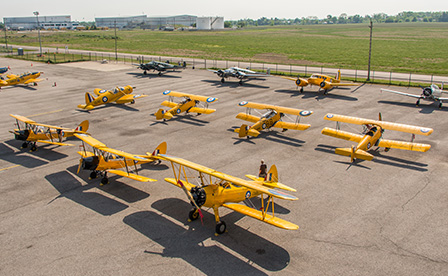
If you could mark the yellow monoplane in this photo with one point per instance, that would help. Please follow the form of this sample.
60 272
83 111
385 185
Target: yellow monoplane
33 132
102 160
373 136
324 82
214 189
119 95
188 104
270 119
25 78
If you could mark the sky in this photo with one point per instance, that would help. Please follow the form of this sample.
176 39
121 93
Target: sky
87 10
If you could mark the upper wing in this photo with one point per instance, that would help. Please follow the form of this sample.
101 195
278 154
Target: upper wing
129 98
191 96
90 140
342 134
400 93
287 110
289 78
229 178
33 80
22 118
386 125
404 145
247 117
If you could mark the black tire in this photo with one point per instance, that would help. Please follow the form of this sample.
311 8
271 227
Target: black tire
386 149
220 227
93 175
193 214
33 148
417 103
440 105
301 89
160 73
144 72
133 102
24 145
223 80
104 181
240 82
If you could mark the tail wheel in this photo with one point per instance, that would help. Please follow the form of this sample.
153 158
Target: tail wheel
193 214
221 227
240 82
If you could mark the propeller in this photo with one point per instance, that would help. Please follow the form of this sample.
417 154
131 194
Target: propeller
190 196
380 118
79 166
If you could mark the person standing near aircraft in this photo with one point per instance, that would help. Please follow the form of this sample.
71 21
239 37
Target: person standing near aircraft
263 168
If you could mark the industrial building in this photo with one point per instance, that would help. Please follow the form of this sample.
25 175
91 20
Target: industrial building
210 23
163 21
45 22
120 22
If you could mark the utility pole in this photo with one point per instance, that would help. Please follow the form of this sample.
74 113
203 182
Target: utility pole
115 25
36 13
370 49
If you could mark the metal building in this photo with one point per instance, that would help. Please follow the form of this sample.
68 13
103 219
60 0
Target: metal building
172 21
120 22
210 23
45 22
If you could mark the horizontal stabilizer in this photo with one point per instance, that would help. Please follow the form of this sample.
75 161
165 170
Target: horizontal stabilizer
54 143
132 176
359 154
256 214
86 107
276 185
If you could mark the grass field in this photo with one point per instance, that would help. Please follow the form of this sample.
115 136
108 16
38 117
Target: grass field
405 47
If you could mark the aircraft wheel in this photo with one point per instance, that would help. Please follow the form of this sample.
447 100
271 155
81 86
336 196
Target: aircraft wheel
160 73
240 82
35 84
387 149
325 92
417 103
223 80
33 148
24 145
144 72
193 214
440 105
220 227
93 175
301 89
104 181
133 102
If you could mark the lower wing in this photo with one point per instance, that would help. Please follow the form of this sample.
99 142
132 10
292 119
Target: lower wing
54 143
287 125
401 93
404 145
342 134
33 80
173 181
256 214
168 104
129 98
132 176
201 110
247 117
344 84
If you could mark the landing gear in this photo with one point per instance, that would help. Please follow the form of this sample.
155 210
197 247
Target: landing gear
193 214
301 89
440 105
24 145
325 92
386 149
93 175
133 102
33 147
104 180
220 227
240 82
144 72
223 80
285 129
418 102
160 73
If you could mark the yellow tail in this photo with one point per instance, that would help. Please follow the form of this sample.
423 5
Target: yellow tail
352 153
89 98
84 126
243 131
272 175
338 75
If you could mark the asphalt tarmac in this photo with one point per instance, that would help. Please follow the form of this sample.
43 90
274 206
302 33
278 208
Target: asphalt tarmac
382 217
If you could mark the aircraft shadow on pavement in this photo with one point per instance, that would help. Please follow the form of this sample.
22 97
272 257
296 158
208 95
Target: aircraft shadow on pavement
256 203
26 87
184 118
154 167
19 158
45 151
116 188
187 244
424 108
271 135
154 75
69 187
378 158
314 94
234 84
122 106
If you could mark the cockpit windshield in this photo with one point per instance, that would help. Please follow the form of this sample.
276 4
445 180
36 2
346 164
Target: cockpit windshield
269 114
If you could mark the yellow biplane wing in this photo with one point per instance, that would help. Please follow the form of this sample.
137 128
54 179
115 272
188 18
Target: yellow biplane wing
257 214
54 143
90 140
32 81
129 98
169 104
201 110
404 145
22 119
342 134
229 178
287 110
247 117
288 125
191 96
289 78
385 125
132 176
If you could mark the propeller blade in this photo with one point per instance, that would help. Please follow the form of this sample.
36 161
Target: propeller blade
380 118
79 166
190 196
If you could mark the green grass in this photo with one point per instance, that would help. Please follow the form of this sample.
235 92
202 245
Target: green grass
404 47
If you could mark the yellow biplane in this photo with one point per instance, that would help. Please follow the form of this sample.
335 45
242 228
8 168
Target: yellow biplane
188 104
33 132
373 136
270 119
215 189
324 82
119 95
25 78
102 160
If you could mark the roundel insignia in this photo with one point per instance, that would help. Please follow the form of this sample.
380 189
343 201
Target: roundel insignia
105 99
368 145
166 92
102 91
305 113
243 103
263 126
425 130
248 194
211 99
136 96
178 111
330 116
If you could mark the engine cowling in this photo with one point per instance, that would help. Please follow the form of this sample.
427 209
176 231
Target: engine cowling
199 195
325 85
301 82
427 91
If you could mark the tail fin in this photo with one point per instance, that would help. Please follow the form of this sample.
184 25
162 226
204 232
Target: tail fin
272 175
89 98
161 149
84 126
338 75
243 131
159 114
